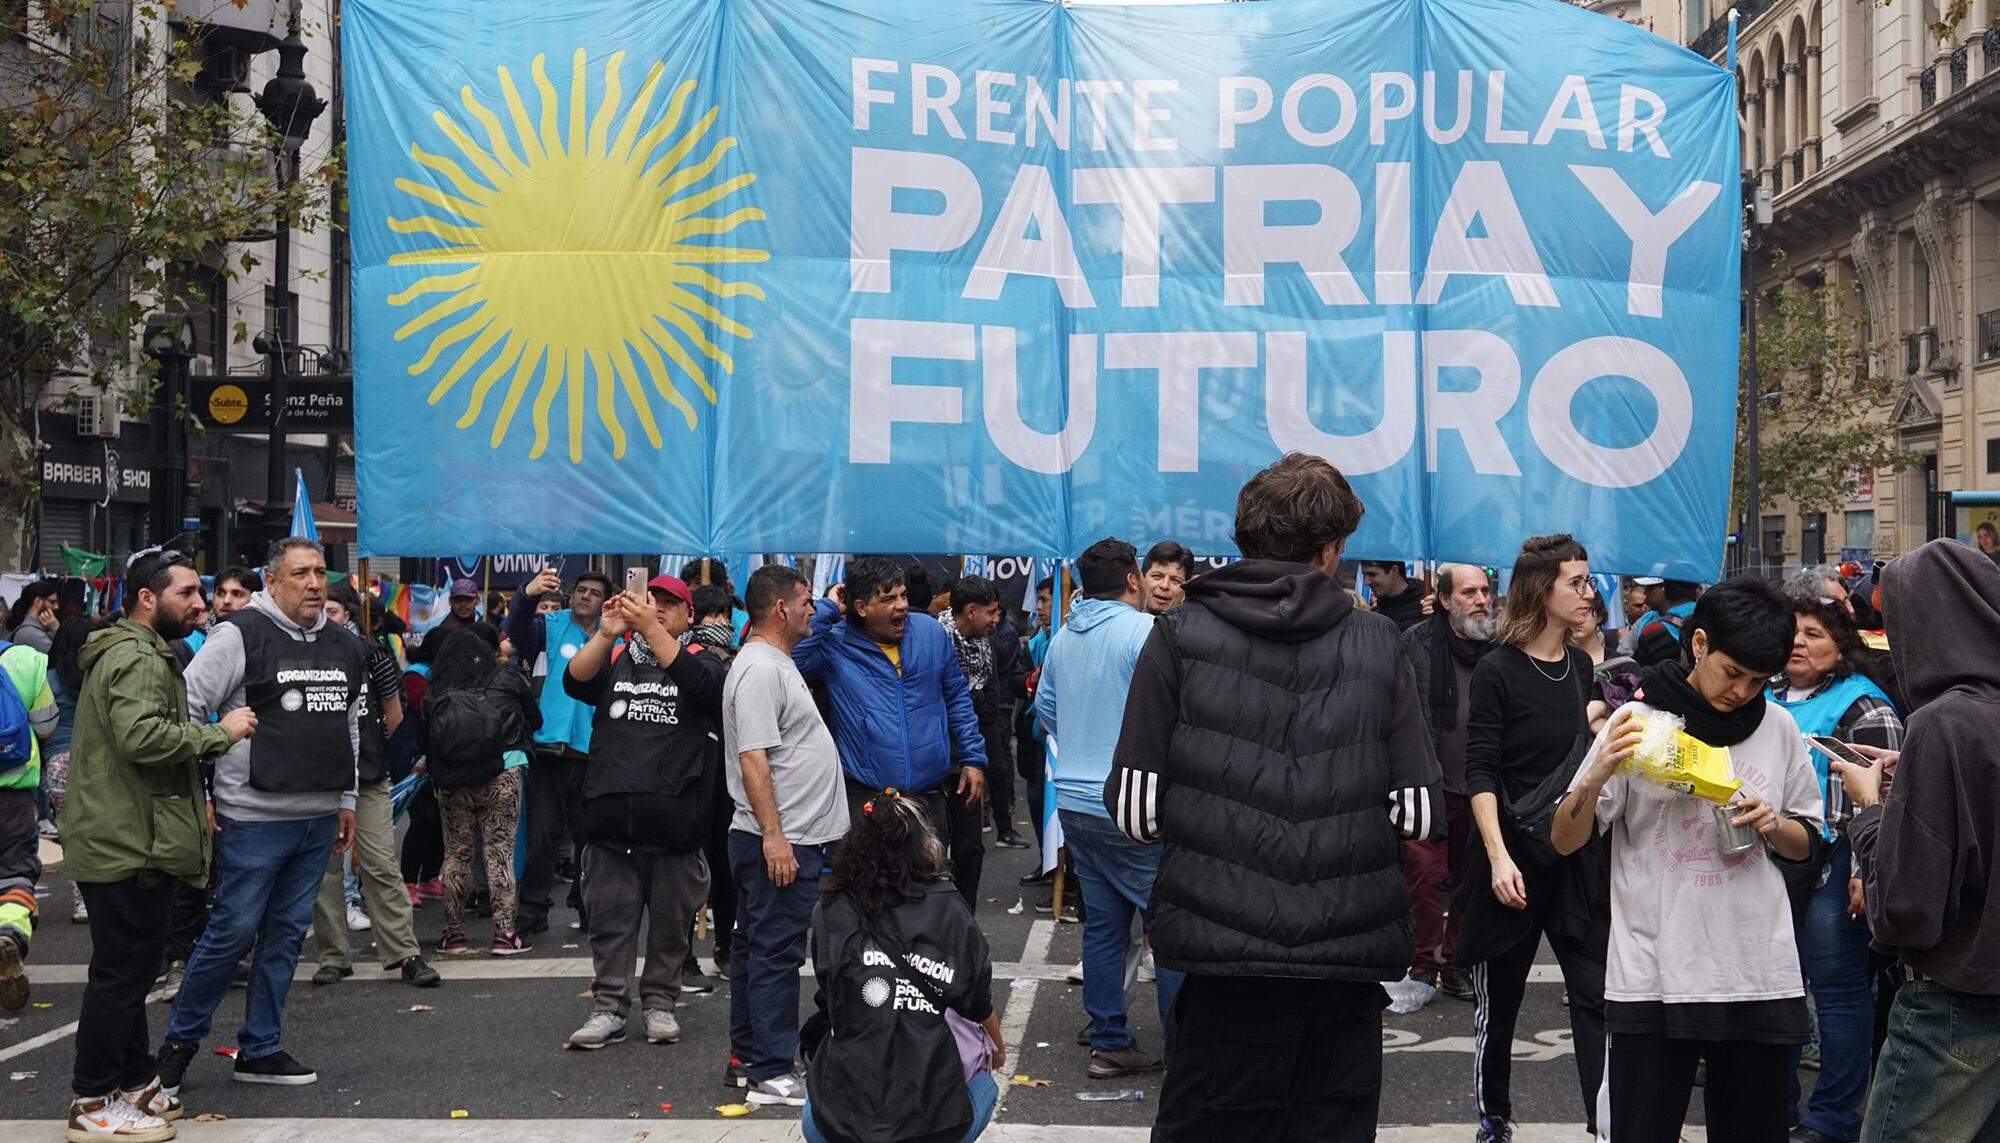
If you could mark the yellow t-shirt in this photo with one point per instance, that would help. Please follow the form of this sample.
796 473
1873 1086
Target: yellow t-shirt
895 653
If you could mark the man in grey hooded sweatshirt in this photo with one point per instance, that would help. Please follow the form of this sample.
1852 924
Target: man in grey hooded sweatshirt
1931 852
279 807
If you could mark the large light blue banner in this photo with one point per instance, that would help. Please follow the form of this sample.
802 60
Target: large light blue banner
1005 275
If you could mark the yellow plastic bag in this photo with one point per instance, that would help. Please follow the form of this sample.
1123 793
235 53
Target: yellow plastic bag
1669 756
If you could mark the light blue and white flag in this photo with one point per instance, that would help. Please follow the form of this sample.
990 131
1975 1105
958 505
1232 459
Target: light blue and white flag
829 568
302 509
1003 276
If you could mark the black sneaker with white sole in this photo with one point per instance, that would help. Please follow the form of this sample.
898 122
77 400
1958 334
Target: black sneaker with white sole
172 1063
277 1068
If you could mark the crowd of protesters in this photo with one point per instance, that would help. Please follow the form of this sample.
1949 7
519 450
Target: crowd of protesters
1284 805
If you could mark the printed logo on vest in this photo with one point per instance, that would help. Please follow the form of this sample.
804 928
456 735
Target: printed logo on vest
875 992
617 710
292 700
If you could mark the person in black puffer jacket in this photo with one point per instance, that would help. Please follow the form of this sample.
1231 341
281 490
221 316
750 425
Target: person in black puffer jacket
1274 746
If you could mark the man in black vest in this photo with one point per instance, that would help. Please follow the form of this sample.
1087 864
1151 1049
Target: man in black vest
281 803
1266 717
645 800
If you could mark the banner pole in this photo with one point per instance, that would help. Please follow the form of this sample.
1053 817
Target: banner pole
367 594
1062 852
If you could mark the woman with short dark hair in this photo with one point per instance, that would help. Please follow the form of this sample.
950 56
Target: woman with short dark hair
1704 964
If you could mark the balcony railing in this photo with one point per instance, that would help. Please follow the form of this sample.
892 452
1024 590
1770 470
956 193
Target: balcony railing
1927 88
1714 37
1778 176
1798 166
1989 335
1960 63
1989 47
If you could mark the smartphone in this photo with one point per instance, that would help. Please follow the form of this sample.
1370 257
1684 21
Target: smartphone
635 582
1835 748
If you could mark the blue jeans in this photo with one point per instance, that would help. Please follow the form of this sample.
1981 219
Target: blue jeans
985 1097
1116 875
1833 948
267 877
1939 1075
772 925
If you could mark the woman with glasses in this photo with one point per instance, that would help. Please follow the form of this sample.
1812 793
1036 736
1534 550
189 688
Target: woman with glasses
1828 685
1526 728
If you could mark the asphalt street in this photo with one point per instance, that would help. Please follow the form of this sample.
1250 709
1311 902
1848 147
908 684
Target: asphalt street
488 1043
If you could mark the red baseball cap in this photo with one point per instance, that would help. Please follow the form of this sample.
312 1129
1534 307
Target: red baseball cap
672 586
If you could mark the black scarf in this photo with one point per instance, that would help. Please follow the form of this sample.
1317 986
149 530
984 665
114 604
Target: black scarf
1446 646
1665 686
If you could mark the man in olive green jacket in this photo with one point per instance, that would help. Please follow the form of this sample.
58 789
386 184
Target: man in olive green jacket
134 820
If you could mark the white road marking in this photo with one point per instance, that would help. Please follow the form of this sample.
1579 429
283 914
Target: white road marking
1033 965
1027 977
553 968
776 1125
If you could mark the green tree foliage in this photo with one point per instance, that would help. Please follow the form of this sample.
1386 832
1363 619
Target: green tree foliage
1825 417
119 161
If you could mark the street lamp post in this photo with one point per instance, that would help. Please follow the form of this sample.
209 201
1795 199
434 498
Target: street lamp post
170 341
1757 215
290 104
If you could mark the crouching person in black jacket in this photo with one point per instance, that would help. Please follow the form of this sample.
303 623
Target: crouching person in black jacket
645 800
1274 746
905 1034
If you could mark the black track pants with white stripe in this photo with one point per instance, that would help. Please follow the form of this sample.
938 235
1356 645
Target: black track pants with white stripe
1500 983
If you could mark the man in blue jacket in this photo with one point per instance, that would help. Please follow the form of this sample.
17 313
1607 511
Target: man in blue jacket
1081 702
902 713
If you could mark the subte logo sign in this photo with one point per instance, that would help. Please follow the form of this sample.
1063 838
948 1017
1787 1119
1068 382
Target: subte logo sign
228 404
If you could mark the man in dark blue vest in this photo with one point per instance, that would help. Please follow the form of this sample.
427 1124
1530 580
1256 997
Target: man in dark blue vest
281 803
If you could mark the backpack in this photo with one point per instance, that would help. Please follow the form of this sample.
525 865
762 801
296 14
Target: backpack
1674 624
469 729
17 738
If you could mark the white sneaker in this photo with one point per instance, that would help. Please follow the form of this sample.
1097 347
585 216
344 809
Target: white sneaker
661 1027
1074 974
109 1119
357 921
788 1090
155 1101
1147 972
602 1028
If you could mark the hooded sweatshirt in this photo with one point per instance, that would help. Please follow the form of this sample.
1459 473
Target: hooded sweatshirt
1081 699
1932 851
215 686
1274 745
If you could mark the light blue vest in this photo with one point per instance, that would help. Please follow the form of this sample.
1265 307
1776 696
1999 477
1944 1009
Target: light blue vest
565 721
1821 713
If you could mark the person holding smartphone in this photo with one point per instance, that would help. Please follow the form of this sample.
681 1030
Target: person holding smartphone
1829 687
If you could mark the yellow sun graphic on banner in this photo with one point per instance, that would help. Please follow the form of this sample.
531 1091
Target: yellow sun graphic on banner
573 253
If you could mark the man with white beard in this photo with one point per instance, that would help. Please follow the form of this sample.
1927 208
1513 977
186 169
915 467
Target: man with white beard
1443 649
